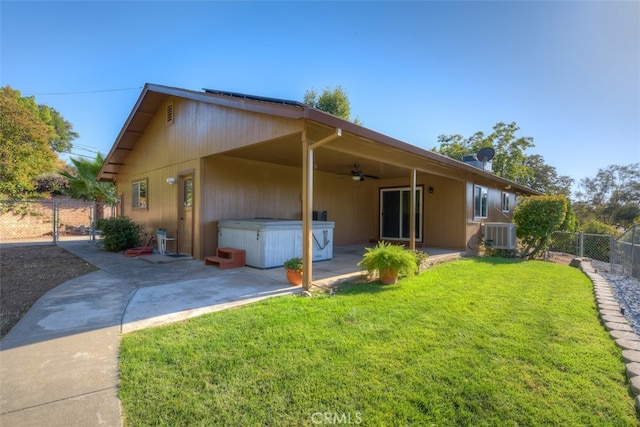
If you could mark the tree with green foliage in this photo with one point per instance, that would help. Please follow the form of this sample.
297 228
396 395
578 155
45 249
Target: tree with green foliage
29 141
510 161
333 101
612 196
536 217
545 178
597 227
61 142
83 182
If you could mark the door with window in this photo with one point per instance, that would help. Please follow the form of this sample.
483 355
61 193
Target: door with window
185 209
395 213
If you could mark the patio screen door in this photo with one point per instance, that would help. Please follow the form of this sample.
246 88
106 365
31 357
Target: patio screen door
395 210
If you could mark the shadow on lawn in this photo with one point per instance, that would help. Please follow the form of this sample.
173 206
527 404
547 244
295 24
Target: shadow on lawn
376 287
373 287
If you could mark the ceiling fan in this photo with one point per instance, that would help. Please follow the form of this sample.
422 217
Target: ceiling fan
357 175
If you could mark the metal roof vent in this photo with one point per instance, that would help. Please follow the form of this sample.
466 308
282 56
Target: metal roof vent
169 114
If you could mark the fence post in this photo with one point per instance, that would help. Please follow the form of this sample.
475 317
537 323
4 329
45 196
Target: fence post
633 250
54 230
581 244
93 221
612 254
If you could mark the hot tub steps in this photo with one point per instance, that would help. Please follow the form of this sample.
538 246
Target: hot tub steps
227 258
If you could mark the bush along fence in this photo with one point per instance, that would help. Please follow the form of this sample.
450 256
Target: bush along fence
51 220
622 253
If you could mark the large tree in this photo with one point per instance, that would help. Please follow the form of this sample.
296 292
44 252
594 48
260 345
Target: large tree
510 161
333 101
612 196
30 137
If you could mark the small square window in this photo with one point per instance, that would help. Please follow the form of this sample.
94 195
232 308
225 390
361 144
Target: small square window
139 194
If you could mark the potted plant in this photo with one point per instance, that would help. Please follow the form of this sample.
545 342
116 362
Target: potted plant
389 261
294 271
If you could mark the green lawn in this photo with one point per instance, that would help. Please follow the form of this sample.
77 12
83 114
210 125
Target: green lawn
471 342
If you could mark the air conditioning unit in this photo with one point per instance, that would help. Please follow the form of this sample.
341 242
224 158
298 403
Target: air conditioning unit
499 235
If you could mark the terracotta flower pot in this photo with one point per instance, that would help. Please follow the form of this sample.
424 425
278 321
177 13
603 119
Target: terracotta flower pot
294 277
389 277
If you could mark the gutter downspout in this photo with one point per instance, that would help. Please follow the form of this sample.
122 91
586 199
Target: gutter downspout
307 203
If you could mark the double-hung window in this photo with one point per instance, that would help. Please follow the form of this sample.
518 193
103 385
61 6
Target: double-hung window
480 201
139 194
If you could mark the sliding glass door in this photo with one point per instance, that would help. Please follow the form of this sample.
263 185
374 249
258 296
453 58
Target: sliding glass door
395 212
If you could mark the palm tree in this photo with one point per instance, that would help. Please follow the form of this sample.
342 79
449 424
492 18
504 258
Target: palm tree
83 182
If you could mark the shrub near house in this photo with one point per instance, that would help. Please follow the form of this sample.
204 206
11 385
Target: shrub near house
119 234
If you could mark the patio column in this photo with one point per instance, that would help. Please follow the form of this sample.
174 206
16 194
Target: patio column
307 203
412 212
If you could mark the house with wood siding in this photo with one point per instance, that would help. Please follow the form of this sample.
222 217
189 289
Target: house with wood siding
186 160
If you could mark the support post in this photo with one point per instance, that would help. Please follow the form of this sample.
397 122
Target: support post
412 210
307 203
307 214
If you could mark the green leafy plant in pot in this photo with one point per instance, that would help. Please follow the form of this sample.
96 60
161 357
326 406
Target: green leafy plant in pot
389 261
294 271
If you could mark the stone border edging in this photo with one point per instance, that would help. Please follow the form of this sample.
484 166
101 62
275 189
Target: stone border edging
613 320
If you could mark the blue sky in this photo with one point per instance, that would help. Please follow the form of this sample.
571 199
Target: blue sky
568 73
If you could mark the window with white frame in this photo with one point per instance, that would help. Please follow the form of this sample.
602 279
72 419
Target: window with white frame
480 201
139 194
506 202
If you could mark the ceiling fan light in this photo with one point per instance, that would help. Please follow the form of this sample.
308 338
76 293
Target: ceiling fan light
356 177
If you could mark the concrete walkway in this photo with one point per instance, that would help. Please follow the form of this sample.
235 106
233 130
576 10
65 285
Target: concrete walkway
59 364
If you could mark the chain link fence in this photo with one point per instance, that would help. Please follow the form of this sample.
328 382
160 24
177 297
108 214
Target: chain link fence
50 220
622 253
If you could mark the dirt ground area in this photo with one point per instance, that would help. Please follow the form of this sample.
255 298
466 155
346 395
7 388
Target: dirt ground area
559 258
28 272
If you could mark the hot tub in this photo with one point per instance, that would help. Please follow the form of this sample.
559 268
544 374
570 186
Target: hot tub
270 242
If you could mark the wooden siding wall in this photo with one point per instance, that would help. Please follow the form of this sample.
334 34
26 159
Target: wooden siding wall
200 130
163 151
443 216
494 210
238 188
162 199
